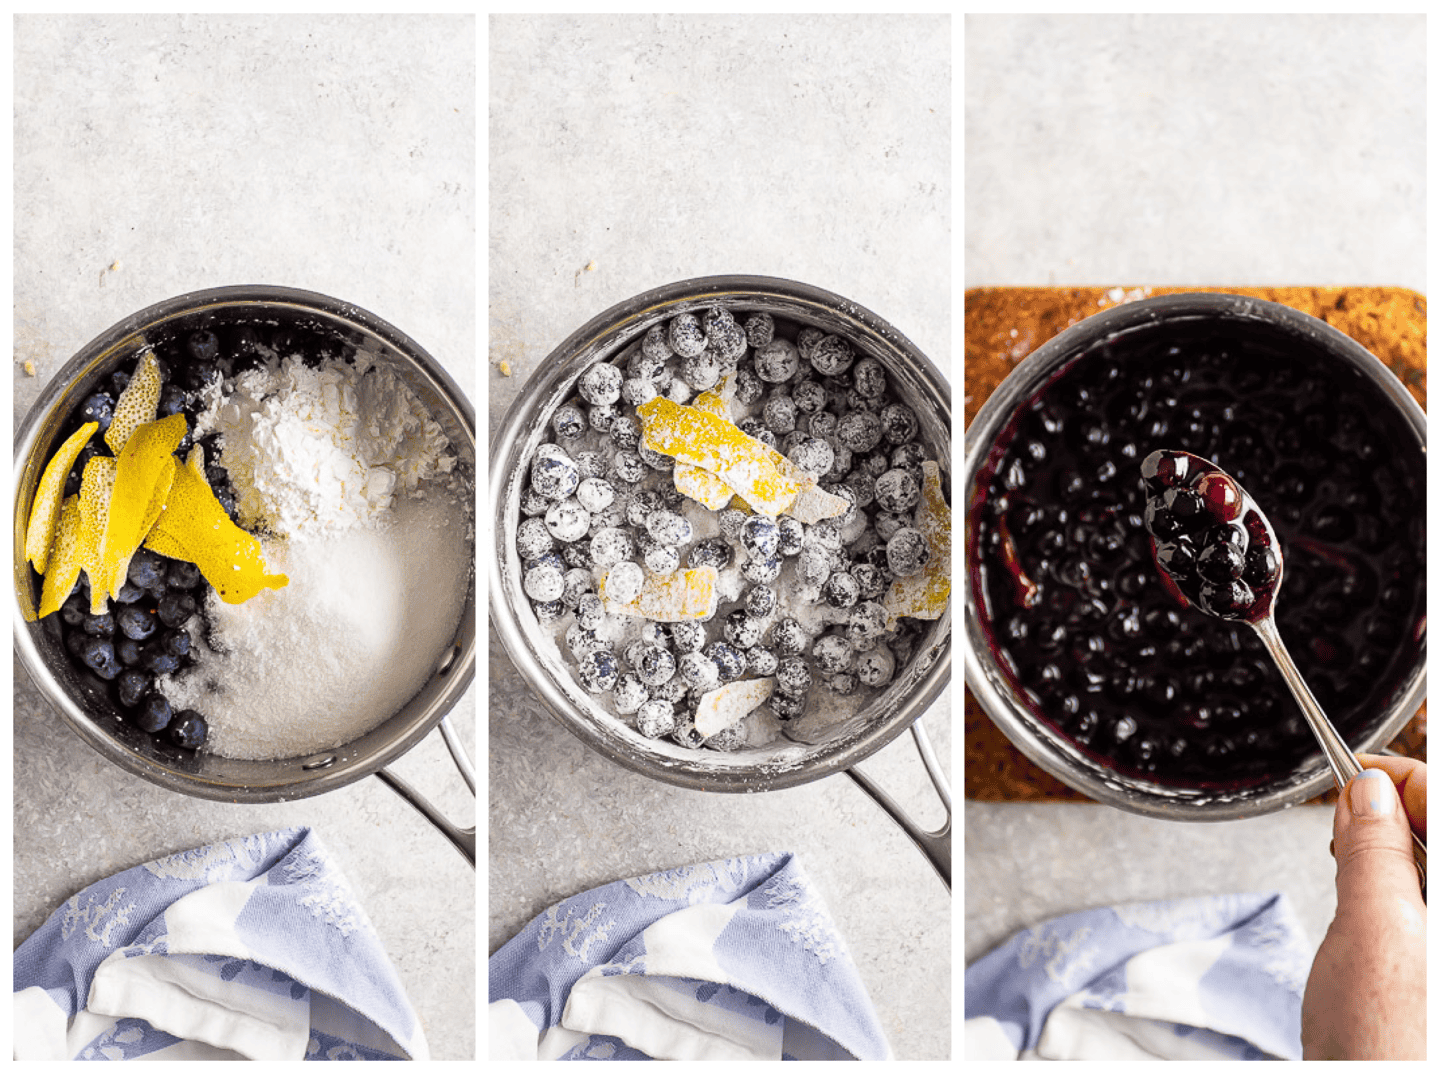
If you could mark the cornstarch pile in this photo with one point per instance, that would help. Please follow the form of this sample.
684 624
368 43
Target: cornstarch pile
352 487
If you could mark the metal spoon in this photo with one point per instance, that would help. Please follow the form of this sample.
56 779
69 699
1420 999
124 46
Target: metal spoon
1185 494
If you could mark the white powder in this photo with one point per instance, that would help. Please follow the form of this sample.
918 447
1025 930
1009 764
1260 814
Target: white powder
321 449
360 628
352 486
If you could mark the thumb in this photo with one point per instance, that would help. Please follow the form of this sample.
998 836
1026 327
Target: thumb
1373 854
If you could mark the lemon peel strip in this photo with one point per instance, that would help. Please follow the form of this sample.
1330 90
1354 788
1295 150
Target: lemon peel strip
49 493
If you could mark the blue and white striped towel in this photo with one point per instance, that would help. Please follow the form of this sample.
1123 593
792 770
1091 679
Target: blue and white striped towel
253 949
734 959
1219 977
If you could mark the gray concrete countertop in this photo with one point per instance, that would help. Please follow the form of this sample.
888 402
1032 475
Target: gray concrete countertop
160 154
1140 149
631 151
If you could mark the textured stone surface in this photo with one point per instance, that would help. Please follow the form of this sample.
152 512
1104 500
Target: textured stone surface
1234 150
160 154
1222 150
628 152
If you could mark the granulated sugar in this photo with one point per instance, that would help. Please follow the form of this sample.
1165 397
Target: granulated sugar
359 629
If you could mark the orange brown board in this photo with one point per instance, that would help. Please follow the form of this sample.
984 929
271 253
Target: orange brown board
1004 324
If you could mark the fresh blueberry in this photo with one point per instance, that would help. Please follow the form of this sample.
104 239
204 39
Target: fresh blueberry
188 730
182 575
176 609
131 686
135 623
128 652
147 570
203 345
99 408
98 654
155 659
154 715
175 642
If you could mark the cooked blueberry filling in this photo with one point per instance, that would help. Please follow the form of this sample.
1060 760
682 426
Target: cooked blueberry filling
1078 607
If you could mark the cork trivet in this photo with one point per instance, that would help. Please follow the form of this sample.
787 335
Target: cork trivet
1004 324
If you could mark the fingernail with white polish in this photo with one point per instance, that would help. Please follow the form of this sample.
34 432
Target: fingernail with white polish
1372 794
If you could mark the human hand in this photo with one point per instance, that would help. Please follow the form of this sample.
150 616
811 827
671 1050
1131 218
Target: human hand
1366 995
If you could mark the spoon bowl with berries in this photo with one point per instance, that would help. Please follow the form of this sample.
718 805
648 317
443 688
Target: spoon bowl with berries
1217 551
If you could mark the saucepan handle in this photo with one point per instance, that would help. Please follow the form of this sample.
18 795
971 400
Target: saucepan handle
463 839
934 845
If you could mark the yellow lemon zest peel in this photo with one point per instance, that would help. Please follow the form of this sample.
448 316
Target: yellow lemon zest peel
144 472
137 403
49 493
194 527
96 485
65 559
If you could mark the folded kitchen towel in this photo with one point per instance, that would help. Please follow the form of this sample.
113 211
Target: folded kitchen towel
734 959
253 949
1219 977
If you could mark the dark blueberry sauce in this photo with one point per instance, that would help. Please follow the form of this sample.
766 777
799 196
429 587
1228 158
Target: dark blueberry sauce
1120 661
1211 542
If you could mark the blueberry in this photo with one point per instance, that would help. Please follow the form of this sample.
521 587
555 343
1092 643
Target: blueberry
859 430
869 378
598 671
907 552
176 609
119 381
788 637
687 636
896 491
761 602
172 400
1262 566
147 570
1221 563
182 575
175 643
809 396
131 686
814 456
135 623
203 345
743 630
776 361
832 355
759 329
532 539
792 535
98 654
787 706
75 610
154 715
99 408
698 670
669 528
899 423
629 694
654 665
762 570
154 658
1186 508
568 421
793 676
686 337
841 590
760 536
188 730
832 653
655 717
712 552
600 384
779 415
128 652
129 593
99 626
730 660
553 473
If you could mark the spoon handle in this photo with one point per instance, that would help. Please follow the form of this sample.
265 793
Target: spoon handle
1342 760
